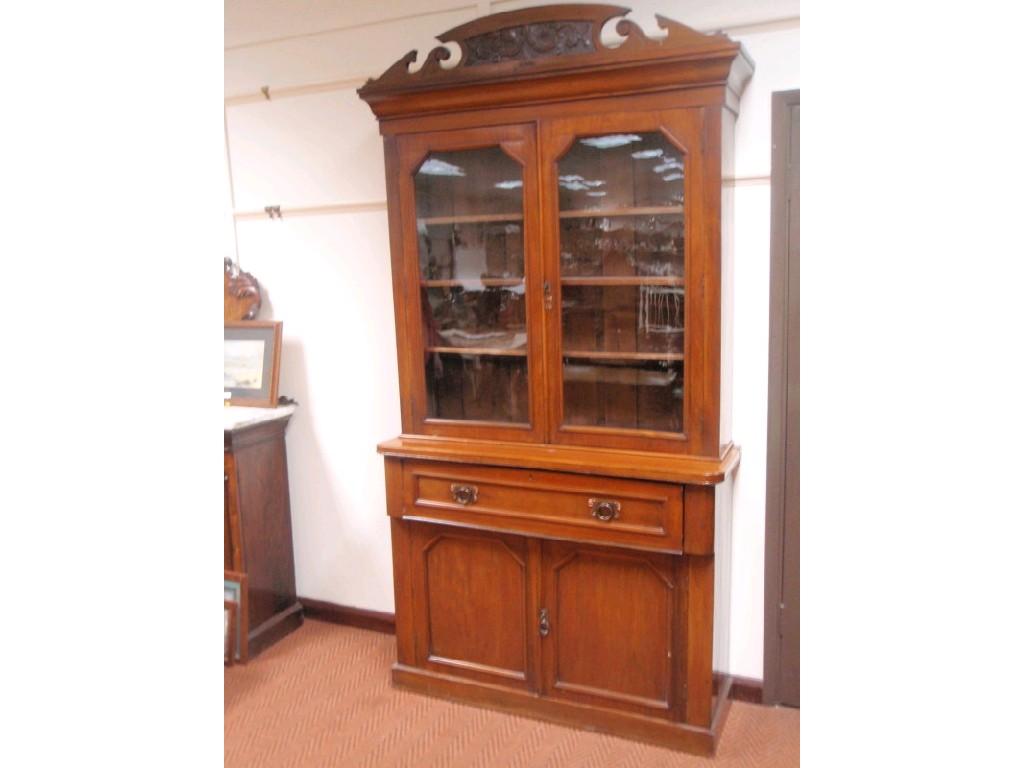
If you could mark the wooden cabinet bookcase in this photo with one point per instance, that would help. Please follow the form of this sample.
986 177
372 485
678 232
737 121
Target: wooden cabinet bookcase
560 257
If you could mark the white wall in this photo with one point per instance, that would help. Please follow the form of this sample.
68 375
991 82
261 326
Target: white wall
325 267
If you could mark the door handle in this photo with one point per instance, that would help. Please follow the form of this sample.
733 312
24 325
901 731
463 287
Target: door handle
463 494
604 510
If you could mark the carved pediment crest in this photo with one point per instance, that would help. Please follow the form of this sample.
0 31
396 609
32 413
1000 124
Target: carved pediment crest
546 37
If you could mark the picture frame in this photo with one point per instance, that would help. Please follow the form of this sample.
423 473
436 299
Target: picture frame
236 590
230 631
252 362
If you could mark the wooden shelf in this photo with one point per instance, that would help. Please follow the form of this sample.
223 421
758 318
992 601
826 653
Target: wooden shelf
487 282
608 280
496 351
481 218
599 213
593 355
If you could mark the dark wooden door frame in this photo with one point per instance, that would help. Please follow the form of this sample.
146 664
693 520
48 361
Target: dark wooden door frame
782 531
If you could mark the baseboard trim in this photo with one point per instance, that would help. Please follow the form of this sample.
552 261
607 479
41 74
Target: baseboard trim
377 621
745 689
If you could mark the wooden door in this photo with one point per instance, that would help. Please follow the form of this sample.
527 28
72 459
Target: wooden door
472 604
629 229
782 514
469 300
613 629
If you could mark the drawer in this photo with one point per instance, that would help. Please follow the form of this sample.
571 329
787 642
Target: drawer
558 505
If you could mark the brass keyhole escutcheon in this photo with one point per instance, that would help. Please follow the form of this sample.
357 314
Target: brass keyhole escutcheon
463 494
604 510
545 626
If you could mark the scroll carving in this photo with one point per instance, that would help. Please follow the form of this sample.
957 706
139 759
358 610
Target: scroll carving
530 41
546 37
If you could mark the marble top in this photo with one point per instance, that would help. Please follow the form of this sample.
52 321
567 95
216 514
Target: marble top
238 416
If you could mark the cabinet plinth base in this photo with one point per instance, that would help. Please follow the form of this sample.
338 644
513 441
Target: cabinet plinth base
664 733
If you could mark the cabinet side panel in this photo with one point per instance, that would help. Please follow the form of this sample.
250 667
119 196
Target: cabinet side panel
262 476
391 168
728 266
699 617
400 555
712 339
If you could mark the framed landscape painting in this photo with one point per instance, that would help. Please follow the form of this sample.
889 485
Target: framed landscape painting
252 362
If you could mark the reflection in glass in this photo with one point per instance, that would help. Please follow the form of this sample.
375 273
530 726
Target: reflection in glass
640 318
468 182
620 171
475 316
629 394
623 246
469 223
466 251
620 207
622 242
477 387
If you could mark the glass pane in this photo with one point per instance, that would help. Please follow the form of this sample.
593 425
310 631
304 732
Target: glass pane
635 319
469 209
621 229
471 250
477 387
476 316
631 394
623 246
620 170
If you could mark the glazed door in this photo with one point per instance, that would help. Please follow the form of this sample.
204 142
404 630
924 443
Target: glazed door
613 631
625 230
472 604
469 222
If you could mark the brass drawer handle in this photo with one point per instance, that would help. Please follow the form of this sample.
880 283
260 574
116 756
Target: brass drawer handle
604 510
464 494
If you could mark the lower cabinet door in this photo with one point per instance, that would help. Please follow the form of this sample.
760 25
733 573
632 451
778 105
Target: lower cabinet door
614 634
471 604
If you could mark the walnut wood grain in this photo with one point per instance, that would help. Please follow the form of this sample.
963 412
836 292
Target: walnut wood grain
487 282
582 459
656 730
546 504
474 218
601 355
603 281
259 517
613 624
611 213
625 644
470 603
700 605
499 351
